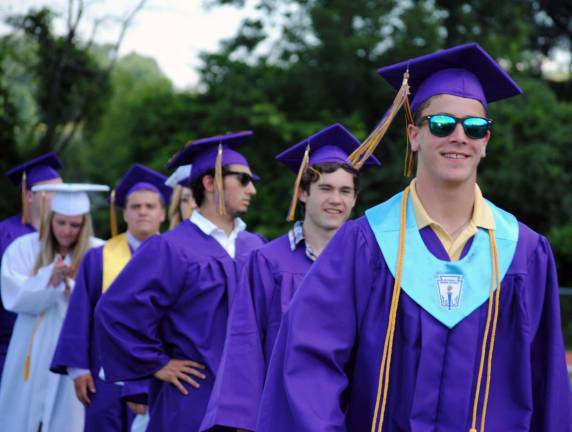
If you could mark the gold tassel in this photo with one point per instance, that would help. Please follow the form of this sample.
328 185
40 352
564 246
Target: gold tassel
409 159
303 166
219 185
112 214
23 191
360 155
28 361
42 215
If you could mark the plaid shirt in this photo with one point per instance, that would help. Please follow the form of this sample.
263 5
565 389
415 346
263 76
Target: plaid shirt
296 236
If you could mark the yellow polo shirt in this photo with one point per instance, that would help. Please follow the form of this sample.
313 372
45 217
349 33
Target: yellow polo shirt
482 217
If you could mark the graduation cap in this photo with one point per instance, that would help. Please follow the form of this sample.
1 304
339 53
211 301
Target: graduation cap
212 153
70 199
181 176
333 144
39 169
138 178
466 70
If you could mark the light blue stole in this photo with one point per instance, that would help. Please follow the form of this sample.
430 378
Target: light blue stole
449 291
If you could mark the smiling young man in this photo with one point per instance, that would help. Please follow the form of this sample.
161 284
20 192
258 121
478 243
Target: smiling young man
165 315
327 191
437 310
143 196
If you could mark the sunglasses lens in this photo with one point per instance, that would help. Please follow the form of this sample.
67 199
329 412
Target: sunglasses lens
245 179
476 127
442 125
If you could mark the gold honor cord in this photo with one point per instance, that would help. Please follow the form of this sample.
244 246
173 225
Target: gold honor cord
30 346
112 214
303 166
360 155
218 180
495 278
383 382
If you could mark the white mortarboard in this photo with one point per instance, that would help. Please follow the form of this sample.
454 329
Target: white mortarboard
181 176
70 199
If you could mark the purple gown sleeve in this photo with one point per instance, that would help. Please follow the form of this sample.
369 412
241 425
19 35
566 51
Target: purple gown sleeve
240 377
128 315
73 348
136 392
552 397
307 382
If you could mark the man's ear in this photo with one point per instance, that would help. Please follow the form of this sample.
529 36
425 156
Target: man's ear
413 134
208 183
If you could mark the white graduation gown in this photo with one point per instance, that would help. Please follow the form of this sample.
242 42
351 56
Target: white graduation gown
44 398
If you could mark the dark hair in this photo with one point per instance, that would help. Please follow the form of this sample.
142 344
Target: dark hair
311 176
197 187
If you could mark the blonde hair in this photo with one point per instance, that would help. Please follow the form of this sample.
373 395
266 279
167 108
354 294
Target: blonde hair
48 250
175 216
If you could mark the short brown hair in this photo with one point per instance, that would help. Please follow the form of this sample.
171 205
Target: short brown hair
313 175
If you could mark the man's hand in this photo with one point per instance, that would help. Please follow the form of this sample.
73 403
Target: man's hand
140 409
181 370
84 385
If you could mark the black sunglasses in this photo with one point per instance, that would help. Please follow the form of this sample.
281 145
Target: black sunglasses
243 178
442 125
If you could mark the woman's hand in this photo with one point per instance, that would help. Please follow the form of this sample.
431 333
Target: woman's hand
61 271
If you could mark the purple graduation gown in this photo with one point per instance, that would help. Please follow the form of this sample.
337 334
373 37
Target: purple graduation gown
78 348
10 229
324 370
268 282
171 302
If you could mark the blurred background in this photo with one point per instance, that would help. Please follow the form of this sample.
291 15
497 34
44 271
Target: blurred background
108 83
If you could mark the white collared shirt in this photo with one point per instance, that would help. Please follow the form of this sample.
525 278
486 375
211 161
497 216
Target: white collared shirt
210 229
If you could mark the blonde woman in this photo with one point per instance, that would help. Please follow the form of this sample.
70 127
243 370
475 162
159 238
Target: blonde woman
182 202
37 277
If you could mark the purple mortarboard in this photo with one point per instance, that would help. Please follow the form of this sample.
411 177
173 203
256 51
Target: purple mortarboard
138 178
32 172
466 70
212 153
36 170
330 145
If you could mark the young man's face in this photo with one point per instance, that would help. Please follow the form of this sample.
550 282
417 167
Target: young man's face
237 196
452 159
330 200
143 213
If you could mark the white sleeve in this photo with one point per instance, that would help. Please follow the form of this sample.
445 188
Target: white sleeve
22 292
77 372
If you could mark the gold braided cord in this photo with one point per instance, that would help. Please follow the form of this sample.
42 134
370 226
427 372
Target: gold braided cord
385 367
218 180
360 155
28 360
494 331
112 214
495 280
23 191
303 166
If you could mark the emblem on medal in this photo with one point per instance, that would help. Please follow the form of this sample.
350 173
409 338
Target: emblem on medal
450 288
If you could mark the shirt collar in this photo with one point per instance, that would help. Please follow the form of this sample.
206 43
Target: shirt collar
482 214
296 236
207 227
132 241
